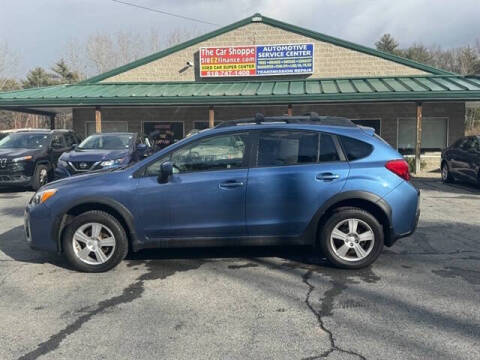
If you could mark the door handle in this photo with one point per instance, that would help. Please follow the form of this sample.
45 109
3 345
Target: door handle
327 176
231 184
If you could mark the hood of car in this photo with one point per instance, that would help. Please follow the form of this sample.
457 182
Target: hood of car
94 155
16 153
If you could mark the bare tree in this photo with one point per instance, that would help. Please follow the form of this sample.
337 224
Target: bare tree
8 64
75 56
100 51
177 36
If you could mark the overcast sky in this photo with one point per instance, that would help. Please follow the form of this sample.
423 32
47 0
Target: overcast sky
38 30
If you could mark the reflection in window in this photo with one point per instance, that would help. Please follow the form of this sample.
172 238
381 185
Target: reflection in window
279 148
215 153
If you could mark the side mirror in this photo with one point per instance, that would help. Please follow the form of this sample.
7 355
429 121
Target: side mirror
74 146
166 169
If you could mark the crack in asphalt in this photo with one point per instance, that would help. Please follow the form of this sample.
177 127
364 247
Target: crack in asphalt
132 292
326 310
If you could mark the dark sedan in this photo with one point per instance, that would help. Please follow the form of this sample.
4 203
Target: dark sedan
461 161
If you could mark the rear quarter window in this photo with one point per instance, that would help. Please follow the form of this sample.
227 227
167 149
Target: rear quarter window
355 149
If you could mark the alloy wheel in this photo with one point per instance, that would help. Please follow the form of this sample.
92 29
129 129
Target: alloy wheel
444 172
43 176
93 243
352 239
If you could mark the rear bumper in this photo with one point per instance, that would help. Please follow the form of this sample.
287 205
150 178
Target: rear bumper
405 204
394 237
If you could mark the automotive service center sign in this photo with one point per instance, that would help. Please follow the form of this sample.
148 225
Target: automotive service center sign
256 60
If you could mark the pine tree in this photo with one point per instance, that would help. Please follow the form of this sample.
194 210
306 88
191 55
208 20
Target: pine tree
63 74
387 44
38 77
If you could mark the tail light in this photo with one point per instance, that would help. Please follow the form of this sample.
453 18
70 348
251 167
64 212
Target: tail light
400 168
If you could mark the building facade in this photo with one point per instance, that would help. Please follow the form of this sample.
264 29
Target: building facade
263 65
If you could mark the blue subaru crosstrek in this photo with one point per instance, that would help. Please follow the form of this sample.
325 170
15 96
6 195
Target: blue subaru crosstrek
318 181
100 151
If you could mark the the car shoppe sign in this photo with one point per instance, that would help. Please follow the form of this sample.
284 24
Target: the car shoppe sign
256 60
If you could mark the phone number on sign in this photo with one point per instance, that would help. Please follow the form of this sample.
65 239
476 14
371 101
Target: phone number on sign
229 73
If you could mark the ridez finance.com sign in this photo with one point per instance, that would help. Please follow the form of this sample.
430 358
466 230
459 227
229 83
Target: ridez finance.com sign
256 60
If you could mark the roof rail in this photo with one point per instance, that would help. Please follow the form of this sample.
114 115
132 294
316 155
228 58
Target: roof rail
311 118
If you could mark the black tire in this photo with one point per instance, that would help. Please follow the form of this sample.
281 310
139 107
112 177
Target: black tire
337 217
40 177
120 237
446 175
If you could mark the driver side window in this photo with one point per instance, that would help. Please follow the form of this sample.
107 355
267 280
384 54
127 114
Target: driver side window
221 152
57 142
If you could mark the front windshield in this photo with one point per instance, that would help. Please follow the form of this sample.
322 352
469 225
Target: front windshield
106 142
25 141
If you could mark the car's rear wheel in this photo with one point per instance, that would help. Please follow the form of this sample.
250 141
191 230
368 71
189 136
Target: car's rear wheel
351 238
446 175
95 241
40 177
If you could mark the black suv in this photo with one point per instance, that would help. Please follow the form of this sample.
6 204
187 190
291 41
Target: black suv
28 158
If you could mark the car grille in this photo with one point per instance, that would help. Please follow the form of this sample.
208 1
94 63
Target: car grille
80 166
3 163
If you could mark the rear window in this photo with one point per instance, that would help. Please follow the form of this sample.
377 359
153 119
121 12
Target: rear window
355 149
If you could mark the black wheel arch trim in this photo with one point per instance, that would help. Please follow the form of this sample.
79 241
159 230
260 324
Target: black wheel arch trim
44 162
61 220
352 195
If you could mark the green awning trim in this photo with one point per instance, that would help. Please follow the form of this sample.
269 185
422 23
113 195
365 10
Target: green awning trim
404 88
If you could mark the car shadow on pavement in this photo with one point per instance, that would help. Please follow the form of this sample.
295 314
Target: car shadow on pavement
453 188
14 246
304 254
13 189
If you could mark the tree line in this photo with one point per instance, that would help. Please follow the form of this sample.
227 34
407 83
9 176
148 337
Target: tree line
101 52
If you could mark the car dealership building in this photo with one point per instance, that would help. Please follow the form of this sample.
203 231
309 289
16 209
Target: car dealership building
263 65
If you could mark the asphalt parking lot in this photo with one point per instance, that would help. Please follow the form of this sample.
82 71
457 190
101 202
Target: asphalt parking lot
418 301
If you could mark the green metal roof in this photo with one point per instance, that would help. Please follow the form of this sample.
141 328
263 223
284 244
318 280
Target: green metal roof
275 23
370 89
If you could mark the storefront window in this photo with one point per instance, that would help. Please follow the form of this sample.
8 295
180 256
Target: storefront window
434 135
163 133
200 125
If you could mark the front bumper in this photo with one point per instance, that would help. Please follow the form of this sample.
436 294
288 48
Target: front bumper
15 179
37 225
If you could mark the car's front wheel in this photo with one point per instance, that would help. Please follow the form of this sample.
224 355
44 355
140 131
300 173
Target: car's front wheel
40 177
351 238
446 175
95 241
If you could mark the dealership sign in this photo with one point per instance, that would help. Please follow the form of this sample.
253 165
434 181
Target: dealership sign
256 60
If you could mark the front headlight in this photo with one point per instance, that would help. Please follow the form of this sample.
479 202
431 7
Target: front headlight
42 196
62 163
108 163
23 158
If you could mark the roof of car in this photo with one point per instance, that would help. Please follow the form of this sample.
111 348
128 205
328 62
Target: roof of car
9 131
115 133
